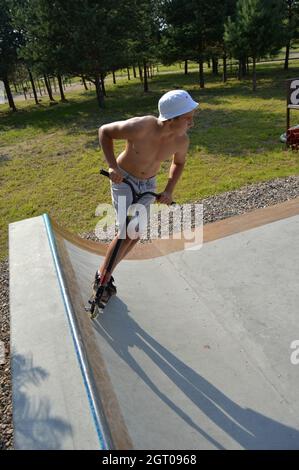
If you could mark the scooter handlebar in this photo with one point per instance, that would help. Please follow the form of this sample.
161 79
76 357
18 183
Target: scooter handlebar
106 173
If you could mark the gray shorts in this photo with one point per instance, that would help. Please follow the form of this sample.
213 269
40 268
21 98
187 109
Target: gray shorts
125 202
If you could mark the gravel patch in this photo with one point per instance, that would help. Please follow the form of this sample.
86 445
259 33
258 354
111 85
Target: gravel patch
218 207
6 429
248 198
224 205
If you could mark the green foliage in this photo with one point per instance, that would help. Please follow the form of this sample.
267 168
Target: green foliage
193 27
10 41
257 29
90 38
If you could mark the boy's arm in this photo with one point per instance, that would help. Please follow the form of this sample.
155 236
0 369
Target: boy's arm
123 130
176 169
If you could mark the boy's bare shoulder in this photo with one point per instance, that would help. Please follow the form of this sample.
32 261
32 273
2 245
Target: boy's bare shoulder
183 141
143 120
142 124
130 129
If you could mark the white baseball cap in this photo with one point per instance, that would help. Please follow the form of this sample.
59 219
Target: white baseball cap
175 103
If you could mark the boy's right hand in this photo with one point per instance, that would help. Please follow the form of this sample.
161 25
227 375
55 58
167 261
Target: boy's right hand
115 175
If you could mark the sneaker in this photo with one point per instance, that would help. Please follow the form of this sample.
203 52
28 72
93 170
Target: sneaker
109 290
111 286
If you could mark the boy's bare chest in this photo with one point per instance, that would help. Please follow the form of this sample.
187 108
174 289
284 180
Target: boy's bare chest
154 149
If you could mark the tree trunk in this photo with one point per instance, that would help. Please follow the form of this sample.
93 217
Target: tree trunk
84 83
62 96
288 46
254 74
287 55
145 81
140 73
224 74
48 86
103 84
134 71
209 63
215 65
201 75
24 91
9 94
49 83
54 82
240 71
33 86
43 86
128 71
242 68
39 87
113 76
99 91
186 67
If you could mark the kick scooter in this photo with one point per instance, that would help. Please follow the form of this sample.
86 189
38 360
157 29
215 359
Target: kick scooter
96 302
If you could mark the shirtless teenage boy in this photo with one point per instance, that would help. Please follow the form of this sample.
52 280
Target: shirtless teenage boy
150 141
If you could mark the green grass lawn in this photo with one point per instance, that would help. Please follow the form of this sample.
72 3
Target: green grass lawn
49 156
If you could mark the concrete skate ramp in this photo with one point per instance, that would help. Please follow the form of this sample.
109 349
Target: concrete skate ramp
194 352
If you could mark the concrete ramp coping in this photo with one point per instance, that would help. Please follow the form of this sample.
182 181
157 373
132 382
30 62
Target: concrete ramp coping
54 400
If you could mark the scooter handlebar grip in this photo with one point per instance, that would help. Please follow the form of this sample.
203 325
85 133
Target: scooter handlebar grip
105 173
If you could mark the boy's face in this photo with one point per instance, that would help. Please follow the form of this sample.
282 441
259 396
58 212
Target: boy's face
182 123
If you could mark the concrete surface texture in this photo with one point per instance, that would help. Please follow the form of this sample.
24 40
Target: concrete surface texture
194 352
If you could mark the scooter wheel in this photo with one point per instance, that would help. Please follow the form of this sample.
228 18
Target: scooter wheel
94 311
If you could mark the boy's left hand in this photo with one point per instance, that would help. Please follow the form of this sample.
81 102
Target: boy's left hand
165 198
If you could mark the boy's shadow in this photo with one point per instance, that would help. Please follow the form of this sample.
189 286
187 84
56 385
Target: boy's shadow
248 428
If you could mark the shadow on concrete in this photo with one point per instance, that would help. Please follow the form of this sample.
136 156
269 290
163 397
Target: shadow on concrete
247 427
37 428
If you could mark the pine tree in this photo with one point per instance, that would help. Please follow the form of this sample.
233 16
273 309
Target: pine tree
10 41
144 35
257 30
291 26
193 30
